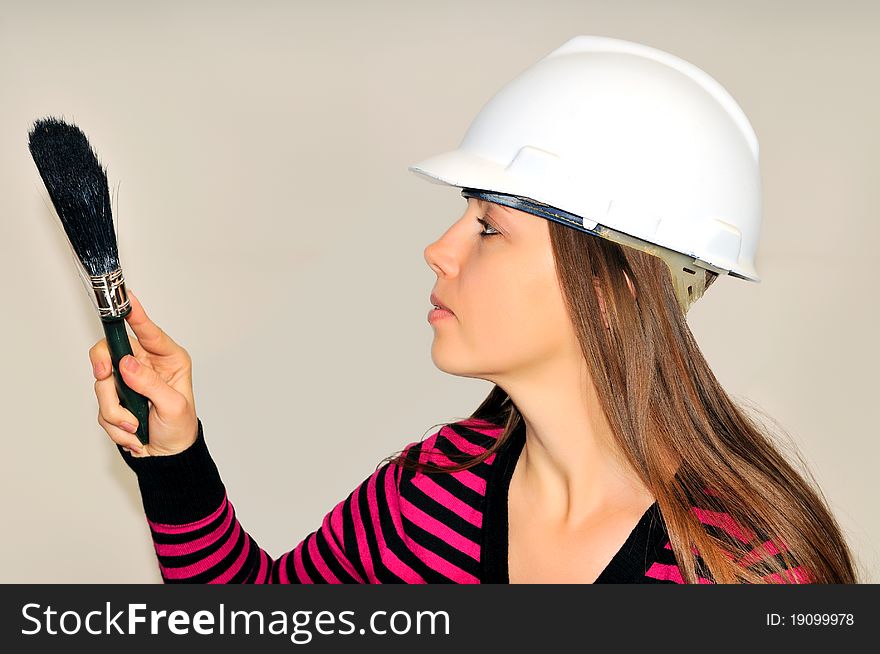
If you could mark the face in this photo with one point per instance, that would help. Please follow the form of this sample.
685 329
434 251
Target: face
495 271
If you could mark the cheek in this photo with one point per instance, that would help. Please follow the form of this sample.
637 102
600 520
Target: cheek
521 318
543 323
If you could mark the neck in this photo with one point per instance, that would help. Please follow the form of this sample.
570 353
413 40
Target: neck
570 469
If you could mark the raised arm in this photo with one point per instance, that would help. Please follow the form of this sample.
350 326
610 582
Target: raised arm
197 536
199 539
365 538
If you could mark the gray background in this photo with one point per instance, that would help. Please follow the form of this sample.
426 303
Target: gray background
257 152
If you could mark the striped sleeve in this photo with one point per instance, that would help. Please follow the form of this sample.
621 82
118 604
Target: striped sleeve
199 539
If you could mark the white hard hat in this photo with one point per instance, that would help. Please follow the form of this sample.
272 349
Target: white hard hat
626 142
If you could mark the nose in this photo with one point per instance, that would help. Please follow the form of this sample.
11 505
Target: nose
444 255
431 257
440 256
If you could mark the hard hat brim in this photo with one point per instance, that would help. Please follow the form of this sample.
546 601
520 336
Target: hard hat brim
463 169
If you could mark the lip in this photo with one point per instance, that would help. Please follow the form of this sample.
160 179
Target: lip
436 301
439 314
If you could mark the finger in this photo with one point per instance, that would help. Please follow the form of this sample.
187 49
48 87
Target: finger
99 355
150 335
121 436
168 403
109 407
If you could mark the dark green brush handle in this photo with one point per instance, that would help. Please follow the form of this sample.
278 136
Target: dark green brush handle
120 346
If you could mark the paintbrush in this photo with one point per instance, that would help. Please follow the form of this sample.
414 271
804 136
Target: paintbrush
77 185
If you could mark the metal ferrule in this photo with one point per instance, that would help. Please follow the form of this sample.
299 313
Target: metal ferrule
111 298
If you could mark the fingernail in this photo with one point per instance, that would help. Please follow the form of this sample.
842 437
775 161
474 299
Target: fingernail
131 363
98 368
127 426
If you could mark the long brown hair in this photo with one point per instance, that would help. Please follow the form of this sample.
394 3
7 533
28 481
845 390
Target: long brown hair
689 442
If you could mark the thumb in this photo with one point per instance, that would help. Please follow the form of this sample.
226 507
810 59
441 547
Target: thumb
147 382
150 336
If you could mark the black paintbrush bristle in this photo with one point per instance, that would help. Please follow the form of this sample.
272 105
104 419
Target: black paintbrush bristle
77 185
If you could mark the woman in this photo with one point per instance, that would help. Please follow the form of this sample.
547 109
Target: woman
607 187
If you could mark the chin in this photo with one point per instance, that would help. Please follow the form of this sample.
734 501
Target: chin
456 364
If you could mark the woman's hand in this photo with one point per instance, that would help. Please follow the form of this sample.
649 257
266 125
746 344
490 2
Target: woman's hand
163 374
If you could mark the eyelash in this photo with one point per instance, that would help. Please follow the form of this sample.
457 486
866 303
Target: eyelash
486 224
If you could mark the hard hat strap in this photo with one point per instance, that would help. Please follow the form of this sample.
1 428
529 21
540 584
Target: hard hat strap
689 274
530 206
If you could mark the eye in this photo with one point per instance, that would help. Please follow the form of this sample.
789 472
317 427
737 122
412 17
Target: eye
485 224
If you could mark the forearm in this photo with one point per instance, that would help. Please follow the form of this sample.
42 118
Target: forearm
195 532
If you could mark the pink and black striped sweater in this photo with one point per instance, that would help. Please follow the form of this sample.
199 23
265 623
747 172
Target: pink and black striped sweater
397 526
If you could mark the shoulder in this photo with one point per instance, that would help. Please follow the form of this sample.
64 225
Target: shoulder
437 517
461 491
455 441
760 548
722 526
448 446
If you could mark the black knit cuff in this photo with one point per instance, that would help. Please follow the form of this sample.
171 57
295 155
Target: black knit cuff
179 488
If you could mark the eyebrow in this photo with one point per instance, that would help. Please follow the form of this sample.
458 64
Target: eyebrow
492 205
